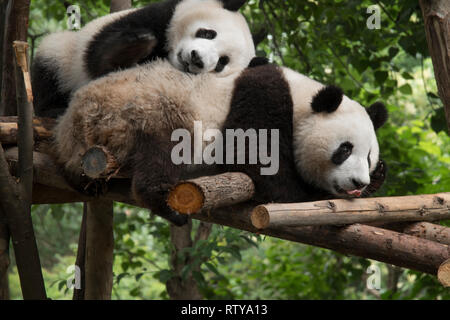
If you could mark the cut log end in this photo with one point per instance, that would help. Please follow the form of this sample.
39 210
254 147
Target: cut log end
444 273
186 198
260 217
98 163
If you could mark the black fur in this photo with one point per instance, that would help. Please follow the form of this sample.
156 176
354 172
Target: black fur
378 114
154 174
44 81
136 38
233 5
262 100
258 61
327 99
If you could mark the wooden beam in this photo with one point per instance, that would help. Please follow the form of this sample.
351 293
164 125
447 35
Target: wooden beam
360 240
436 16
341 211
51 187
210 192
41 129
425 230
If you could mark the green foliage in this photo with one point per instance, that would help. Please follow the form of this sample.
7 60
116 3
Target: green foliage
327 40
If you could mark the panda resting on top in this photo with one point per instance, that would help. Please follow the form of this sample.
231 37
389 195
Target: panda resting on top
196 35
327 142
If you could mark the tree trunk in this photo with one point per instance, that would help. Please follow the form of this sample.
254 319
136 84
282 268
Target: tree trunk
177 287
436 15
119 5
16 29
5 8
4 258
99 250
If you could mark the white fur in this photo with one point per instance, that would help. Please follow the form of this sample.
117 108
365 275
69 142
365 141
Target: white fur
233 36
158 98
318 135
64 50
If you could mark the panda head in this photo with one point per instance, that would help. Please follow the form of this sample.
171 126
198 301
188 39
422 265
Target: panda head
336 146
209 36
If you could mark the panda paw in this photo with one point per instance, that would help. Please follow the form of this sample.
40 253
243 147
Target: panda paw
258 61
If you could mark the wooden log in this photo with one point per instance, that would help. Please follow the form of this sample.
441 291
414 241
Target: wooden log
425 230
436 16
444 273
41 129
4 257
16 29
25 139
341 212
210 192
360 240
99 250
18 218
98 163
51 187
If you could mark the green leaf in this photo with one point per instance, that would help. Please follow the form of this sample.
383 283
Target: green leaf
406 89
211 267
61 284
438 122
165 275
407 76
381 76
120 276
138 276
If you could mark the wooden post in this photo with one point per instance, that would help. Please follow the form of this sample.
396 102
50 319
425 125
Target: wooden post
99 250
16 196
99 223
4 257
436 15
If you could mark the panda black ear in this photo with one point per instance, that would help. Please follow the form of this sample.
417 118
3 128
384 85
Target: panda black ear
378 114
327 99
258 61
233 5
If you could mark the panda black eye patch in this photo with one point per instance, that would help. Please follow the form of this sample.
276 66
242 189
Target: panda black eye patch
368 159
223 61
206 34
342 153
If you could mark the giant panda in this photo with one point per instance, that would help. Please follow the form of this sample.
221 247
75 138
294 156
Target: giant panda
196 35
327 142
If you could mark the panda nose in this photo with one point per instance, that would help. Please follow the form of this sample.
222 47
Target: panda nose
359 184
196 59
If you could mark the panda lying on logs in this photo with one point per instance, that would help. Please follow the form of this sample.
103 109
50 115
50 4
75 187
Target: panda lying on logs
196 35
326 141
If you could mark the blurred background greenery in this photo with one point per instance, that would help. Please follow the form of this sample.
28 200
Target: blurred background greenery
327 40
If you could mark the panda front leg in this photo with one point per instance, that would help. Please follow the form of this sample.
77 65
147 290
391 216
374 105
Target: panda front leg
154 174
